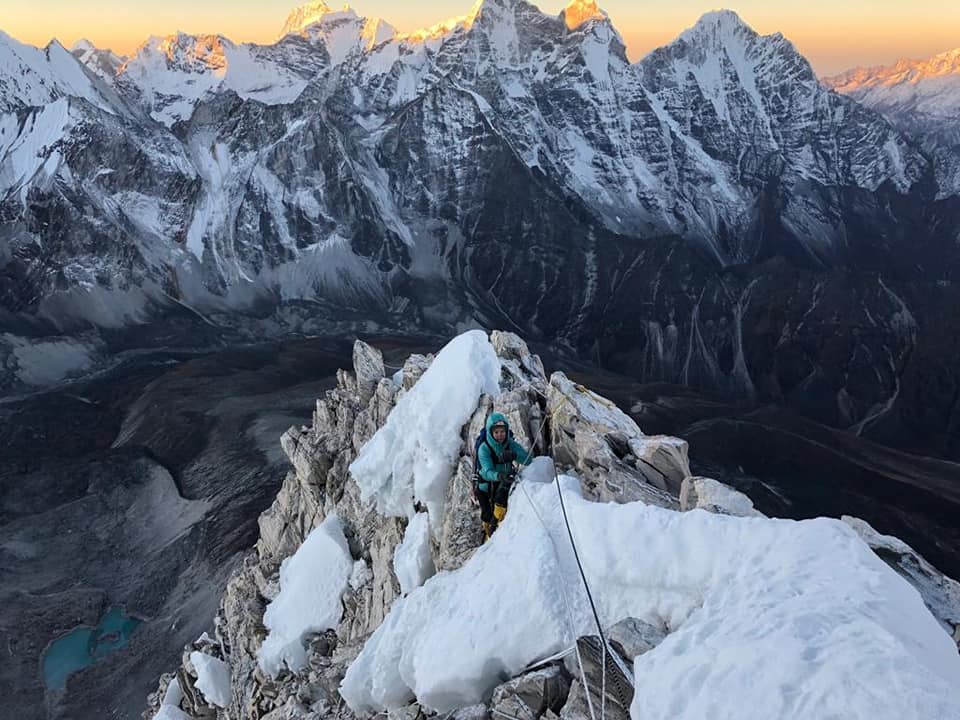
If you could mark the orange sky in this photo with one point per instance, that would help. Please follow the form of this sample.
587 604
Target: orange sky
833 34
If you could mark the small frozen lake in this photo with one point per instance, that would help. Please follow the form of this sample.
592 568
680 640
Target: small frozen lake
85 645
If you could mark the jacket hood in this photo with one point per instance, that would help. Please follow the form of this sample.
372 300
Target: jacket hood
493 420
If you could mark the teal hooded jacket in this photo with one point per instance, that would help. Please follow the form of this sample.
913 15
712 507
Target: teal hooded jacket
490 465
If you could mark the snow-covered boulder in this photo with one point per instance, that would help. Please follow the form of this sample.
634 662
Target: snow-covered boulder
715 497
609 452
213 678
311 584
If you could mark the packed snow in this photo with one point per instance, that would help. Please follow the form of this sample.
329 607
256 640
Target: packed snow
174 694
169 712
312 582
791 619
360 575
412 457
213 678
412 561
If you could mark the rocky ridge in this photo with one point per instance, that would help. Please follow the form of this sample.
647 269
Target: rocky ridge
583 432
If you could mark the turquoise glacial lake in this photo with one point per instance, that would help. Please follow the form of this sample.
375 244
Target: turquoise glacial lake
85 646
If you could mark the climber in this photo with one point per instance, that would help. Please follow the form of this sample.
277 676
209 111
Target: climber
497 455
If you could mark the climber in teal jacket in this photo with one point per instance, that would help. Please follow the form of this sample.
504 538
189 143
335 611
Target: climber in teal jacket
496 456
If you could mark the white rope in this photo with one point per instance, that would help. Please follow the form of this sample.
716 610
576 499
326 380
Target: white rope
556 552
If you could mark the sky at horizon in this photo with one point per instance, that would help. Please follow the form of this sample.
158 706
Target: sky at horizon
833 35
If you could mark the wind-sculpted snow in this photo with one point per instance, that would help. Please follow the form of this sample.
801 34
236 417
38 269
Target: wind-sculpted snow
311 583
788 619
412 457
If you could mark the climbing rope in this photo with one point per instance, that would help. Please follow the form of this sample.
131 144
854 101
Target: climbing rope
604 646
583 578
566 602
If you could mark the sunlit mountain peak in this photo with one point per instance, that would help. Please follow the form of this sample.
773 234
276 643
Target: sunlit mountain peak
446 27
310 14
945 67
580 11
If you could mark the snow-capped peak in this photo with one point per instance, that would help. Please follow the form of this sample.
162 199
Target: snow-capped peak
83 45
313 13
717 27
33 77
377 31
192 53
912 72
442 29
580 11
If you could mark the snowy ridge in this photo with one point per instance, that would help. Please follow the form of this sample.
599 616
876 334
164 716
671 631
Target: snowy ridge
171 75
921 97
412 457
104 63
415 616
33 77
735 592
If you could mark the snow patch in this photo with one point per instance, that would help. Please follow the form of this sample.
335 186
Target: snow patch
169 712
360 575
412 561
213 678
174 694
45 363
312 582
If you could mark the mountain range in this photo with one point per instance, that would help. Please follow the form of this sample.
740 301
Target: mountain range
712 215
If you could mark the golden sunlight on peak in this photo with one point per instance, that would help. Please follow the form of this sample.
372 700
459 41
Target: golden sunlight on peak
206 50
580 11
376 32
442 29
904 71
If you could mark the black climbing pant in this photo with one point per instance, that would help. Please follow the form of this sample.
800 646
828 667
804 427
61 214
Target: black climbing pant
498 494
486 506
